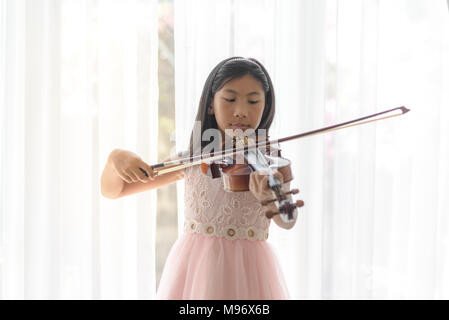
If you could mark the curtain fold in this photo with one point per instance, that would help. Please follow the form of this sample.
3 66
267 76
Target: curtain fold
79 78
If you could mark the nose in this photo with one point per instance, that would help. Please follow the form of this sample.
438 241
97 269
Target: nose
240 111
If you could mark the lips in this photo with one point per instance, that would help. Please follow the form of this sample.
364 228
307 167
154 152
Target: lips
239 125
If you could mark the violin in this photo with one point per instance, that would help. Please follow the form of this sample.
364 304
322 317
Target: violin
253 153
235 171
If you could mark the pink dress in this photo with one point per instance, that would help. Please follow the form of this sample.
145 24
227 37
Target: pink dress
223 252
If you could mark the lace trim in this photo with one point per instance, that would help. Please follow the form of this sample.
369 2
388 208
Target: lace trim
229 232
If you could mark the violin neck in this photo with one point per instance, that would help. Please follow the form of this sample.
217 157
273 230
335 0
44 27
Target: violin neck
257 160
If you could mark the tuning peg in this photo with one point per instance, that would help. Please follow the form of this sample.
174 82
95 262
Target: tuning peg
299 203
293 191
270 214
265 202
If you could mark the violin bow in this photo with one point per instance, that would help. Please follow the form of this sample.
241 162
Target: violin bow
174 165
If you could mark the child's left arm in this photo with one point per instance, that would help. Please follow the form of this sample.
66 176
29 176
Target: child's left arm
259 188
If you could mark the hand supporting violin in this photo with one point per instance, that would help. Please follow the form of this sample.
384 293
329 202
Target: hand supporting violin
258 185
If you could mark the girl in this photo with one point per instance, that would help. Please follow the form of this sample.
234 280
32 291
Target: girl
223 253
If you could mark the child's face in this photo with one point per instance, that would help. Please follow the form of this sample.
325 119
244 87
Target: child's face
244 106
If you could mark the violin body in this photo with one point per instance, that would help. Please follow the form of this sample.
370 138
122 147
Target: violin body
236 176
235 171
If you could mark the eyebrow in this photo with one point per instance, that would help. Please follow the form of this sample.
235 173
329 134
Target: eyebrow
230 90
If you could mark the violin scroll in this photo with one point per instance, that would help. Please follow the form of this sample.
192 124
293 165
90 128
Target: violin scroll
265 202
285 207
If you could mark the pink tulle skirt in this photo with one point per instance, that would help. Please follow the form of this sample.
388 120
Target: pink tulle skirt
201 267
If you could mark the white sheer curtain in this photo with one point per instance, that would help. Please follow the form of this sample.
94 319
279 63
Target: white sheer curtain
78 78
375 222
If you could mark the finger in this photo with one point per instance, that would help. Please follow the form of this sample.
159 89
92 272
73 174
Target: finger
252 182
132 175
260 175
264 172
279 175
260 183
124 177
268 191
264 187
254 175
149 170
256 183
142 175
264 182
257 175
257 178
144 172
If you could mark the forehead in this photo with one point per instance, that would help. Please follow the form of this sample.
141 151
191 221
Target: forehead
243 85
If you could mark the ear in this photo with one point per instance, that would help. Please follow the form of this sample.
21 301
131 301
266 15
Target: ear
210 109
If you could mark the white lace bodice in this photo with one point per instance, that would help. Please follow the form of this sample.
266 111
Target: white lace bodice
214 212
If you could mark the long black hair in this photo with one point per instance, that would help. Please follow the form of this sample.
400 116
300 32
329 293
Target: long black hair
225 71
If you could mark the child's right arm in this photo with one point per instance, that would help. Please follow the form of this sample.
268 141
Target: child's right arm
122 176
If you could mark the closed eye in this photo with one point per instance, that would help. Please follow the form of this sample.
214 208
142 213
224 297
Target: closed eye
232 100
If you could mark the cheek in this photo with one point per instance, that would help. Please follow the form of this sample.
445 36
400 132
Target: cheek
258 112
221 112
221 116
